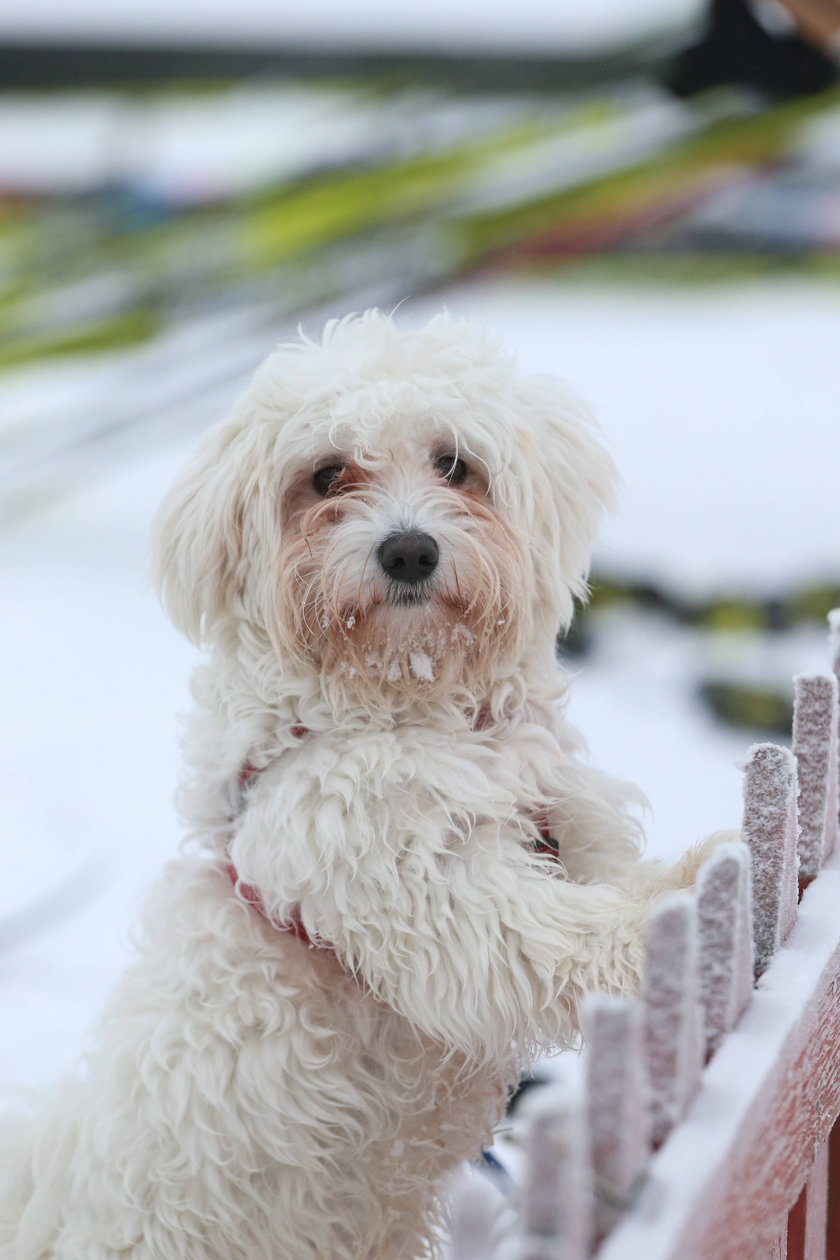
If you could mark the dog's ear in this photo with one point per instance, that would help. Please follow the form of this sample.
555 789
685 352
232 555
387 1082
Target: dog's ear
198 535
575 483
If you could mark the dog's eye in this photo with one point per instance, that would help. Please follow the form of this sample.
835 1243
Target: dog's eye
325 479
452 468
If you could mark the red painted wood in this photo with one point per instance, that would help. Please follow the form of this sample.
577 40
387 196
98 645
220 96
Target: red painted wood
765 1169
796 1227
833 1240
807 1226
816 1207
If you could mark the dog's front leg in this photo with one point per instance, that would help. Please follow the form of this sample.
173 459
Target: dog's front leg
498 954
469 937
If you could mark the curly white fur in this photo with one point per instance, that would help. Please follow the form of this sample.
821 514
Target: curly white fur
250 1096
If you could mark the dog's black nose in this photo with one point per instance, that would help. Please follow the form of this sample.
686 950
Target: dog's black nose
409 557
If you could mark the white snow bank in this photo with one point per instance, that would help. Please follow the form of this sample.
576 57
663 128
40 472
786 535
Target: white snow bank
437 25
720 406
92 678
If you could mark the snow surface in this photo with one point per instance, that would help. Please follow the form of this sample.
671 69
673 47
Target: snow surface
477 1209
436 25
686 384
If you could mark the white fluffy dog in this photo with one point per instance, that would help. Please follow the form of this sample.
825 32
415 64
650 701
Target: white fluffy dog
404 876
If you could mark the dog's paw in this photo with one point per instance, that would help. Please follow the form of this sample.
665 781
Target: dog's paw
684 873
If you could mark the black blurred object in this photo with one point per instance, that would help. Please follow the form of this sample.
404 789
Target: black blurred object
527 1082
738 51
576 641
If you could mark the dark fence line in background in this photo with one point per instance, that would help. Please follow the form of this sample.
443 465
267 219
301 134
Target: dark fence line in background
811 603
63 64
765 707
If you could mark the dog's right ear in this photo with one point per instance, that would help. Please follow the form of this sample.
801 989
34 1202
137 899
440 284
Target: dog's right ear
198 536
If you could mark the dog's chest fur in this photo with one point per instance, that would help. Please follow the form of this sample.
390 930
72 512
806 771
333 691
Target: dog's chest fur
295 1068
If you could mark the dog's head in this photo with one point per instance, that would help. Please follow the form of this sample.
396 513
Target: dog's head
391 508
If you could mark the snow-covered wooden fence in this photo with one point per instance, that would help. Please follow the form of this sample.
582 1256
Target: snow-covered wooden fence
707 1125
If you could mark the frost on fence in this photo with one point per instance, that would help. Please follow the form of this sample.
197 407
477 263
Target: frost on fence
673 1039
834 640
617 1096
815 749
770 830
724 923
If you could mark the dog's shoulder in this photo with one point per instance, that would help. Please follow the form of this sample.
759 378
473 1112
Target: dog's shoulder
489 770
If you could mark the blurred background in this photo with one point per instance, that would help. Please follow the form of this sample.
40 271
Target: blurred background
642 196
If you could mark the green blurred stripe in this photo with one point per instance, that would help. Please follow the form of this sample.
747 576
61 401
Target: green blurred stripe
205 252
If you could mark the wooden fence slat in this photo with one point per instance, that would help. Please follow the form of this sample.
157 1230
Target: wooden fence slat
475 1209
617 1099
834 649
745 964
815 749
770 830
557 1200
670 993
724 924
779 1249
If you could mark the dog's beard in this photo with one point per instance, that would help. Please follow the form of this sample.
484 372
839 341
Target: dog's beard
383 641
423 645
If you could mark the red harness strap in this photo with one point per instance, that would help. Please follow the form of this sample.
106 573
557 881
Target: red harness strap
547 845
250 894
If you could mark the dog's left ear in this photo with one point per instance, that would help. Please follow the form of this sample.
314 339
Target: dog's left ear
575 483
199 534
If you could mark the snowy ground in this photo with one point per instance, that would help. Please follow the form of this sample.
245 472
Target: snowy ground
718 405
441 25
